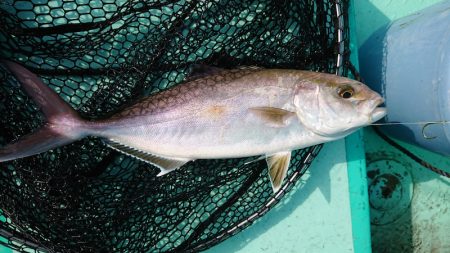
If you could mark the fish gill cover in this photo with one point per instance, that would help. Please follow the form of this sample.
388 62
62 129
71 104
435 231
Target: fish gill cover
101 55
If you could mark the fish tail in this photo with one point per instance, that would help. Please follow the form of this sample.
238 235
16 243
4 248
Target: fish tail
63 125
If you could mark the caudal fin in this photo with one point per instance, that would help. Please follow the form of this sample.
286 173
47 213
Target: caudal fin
40 141
63 123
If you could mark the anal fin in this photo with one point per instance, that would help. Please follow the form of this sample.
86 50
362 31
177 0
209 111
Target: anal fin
278 165
165 164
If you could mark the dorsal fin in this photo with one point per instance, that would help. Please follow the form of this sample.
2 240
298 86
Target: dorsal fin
165 164
249 67
202 70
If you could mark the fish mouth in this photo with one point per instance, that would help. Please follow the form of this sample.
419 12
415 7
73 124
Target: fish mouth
379 112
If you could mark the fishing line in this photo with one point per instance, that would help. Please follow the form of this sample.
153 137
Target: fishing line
411 155
424 123
411 123
395 144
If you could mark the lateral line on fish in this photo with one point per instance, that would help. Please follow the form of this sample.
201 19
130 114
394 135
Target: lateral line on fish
411 123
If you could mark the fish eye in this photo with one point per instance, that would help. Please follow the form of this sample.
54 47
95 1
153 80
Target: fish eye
346 92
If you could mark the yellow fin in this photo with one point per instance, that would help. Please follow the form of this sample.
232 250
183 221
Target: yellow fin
278 164
275 117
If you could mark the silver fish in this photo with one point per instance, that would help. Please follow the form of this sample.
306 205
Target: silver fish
221 114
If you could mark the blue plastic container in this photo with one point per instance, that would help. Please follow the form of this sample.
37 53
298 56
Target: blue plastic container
408 62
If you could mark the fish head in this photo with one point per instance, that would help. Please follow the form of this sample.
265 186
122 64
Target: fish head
334 106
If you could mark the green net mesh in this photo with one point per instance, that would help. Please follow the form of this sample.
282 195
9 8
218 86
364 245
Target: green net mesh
101 55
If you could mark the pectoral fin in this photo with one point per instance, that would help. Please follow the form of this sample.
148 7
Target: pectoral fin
278 164
274 117
165 164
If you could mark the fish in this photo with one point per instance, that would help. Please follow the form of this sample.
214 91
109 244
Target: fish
216 114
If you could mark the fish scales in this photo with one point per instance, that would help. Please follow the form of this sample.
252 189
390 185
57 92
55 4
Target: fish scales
212 114
181 94
217 114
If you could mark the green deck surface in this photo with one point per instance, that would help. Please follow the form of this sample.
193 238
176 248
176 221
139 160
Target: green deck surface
315 217
422 223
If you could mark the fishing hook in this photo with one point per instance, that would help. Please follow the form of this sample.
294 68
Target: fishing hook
423 130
